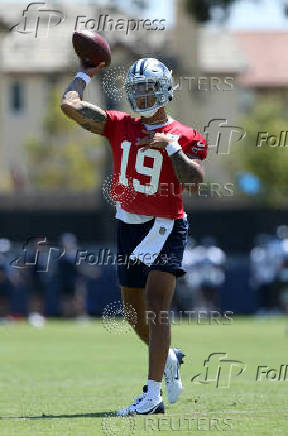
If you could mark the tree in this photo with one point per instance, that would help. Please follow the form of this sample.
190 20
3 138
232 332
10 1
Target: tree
264 159
201 9
63 158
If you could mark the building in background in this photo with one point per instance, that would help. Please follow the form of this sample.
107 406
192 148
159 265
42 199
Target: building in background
219 74
33 66
267 63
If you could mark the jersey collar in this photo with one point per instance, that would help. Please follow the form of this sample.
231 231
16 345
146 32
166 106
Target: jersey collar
158 126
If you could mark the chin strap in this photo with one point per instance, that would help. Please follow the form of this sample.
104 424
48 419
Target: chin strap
148 113
156 122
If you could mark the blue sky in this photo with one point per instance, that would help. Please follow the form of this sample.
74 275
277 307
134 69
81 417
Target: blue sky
157 9
261 14
245 14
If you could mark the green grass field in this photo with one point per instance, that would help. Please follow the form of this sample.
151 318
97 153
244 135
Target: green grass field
68 379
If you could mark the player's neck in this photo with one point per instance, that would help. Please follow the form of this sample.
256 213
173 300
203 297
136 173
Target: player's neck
159 118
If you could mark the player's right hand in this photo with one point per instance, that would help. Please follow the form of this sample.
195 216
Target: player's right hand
92 71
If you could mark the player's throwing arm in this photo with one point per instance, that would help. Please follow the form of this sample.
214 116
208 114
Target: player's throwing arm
94 53
87 115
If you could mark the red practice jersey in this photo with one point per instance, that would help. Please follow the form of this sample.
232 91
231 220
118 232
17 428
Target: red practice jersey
144 182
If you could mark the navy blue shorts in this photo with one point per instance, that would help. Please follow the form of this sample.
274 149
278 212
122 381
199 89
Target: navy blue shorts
134 274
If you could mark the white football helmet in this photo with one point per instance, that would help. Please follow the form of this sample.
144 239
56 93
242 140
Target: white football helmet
148 77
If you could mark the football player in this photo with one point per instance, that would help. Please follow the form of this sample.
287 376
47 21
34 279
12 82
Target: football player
154 157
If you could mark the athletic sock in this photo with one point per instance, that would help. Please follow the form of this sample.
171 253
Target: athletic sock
154 389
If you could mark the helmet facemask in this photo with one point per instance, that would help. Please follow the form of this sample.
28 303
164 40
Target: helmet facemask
146 93
142 95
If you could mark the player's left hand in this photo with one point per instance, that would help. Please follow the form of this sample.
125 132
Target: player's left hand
153 140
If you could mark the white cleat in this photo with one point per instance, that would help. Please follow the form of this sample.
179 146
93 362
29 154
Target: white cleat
143 405
131 410
172 375
36 320
149 406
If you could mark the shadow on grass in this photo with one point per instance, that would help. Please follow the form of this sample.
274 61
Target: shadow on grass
80 415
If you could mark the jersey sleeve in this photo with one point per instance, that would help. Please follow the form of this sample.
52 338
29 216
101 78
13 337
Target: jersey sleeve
196 146
113 122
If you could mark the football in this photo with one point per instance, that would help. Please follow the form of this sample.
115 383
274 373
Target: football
91 48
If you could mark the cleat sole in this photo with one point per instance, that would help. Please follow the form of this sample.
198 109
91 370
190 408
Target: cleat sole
159 409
